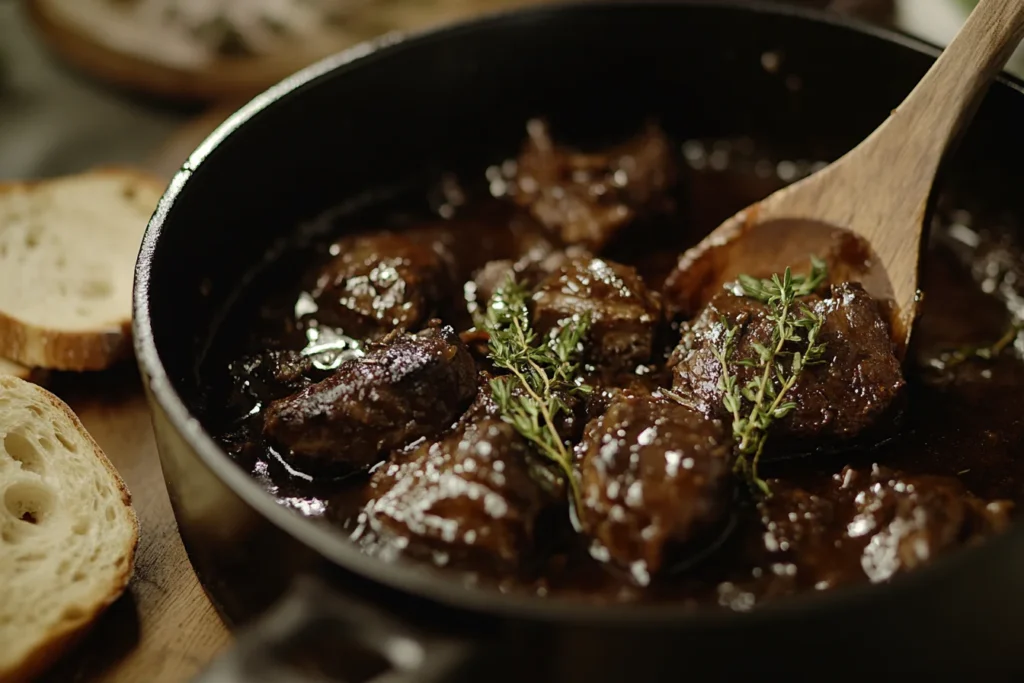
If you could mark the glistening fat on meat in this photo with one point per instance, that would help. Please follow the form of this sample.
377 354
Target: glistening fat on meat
407 386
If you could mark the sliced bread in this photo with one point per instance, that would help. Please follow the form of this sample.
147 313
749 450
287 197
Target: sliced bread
68 247
68 532
10 368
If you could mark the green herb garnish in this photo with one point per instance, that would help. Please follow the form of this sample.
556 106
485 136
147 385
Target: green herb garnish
778 365
987 352
545 372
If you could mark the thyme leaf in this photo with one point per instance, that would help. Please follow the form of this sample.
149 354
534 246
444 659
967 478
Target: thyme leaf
545 372
756 404
986 352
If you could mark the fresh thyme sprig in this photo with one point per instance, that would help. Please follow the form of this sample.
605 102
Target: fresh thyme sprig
545 372
954 358
794 325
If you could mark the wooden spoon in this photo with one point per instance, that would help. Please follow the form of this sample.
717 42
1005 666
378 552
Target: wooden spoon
864 214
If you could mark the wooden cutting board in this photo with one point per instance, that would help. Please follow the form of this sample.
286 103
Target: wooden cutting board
164 629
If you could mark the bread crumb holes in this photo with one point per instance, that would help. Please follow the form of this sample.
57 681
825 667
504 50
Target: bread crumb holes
18 446
30 502
67 443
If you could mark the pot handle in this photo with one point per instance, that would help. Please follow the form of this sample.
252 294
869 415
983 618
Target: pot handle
315 635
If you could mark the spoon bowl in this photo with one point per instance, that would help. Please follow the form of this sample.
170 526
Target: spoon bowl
864 214
742 245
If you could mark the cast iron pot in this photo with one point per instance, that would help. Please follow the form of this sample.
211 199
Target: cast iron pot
458 98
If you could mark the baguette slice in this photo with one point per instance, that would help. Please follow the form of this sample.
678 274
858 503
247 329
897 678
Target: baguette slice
12 369
68 247
38 376
68 532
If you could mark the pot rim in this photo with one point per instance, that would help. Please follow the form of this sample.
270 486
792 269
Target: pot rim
406 576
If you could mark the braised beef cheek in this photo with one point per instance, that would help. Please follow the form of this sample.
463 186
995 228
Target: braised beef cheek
468 496
586 198
654 474
624 315
269 375
869 523
857 385
354 380
406 387
528 270
382 282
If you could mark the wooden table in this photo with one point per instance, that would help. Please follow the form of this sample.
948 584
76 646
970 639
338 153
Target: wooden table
163 630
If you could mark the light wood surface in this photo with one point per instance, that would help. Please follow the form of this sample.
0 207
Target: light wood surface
880 189
163 630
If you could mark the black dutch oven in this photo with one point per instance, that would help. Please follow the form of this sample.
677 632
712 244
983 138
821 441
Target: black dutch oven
307 602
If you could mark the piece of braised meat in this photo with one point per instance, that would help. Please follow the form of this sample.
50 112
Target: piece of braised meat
569 422
266 376
655 477
468 498
872 522
380 282
479 233
858 383
528 271
407 386
909 520
586 198
624 314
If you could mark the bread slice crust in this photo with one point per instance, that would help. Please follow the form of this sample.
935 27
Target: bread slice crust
12 369
38 346
108 340
55 636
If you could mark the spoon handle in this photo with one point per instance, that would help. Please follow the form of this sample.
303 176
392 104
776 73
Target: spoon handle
887 179
880 189
946 98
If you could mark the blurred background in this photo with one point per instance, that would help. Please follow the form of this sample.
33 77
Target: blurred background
87 82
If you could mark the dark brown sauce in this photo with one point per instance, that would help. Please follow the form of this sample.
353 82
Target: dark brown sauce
965 423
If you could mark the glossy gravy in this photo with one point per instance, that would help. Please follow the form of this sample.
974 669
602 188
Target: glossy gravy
961 437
